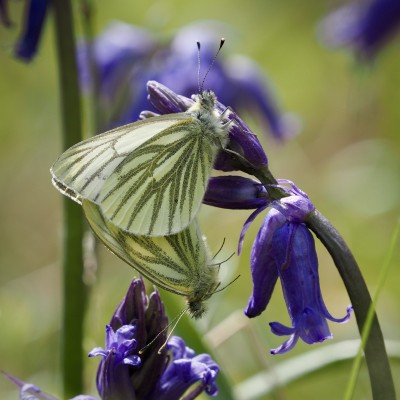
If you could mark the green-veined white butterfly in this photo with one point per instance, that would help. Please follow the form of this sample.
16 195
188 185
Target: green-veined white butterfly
149 177
179 263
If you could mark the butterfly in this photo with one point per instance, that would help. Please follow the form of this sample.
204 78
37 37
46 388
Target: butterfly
179 263
148 178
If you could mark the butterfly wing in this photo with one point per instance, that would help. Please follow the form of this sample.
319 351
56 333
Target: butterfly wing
80 171
158 188
177 262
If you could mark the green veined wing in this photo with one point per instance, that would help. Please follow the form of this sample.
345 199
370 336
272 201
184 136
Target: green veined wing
148 178
157 190
179 263
81 170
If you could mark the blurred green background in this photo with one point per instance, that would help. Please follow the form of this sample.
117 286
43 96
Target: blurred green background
347 159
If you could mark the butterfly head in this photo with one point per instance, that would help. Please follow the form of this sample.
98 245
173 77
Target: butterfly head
204 102
204 288
197 308
207 100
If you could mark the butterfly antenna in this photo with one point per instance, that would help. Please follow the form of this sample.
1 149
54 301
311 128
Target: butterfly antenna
176 319
223 288
175 322
224 260
198 67
211 64
222 245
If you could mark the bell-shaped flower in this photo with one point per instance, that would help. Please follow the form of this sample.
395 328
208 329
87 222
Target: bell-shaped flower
184 369
162 371
159 372
284 248
364 26
28 42
121 58
235 193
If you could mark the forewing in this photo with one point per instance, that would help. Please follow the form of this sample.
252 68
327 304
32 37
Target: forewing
80 171
157 190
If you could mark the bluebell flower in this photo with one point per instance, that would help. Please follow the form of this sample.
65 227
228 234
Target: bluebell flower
160 372
35 16
116 63
126 56
364 26
284 248
113 377
157 373
235 193
184 369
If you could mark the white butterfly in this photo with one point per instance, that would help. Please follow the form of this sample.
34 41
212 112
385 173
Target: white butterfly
149 177
179 263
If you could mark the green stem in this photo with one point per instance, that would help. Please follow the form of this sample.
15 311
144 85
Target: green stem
375 352
74 290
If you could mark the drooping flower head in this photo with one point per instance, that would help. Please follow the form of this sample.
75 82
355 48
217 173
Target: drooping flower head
284 248
364 26
35 13
125 56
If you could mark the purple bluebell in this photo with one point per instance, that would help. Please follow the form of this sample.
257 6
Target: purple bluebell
235 193
126 56
284 248
237 80
364 26
115 64
4 15
184 369
160 372
35 16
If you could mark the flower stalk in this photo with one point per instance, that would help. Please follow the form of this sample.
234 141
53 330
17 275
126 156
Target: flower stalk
375 352
74 290
381 379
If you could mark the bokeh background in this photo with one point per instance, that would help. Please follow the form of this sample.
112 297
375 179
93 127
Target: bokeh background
347 158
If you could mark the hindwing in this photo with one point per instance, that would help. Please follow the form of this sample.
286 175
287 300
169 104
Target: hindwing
178 263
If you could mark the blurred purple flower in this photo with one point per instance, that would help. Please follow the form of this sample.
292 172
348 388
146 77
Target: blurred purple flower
35 15
365 26
115 64
126 56
285 248
167 374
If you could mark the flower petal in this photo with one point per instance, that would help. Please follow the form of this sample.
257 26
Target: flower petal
27 45
235 193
